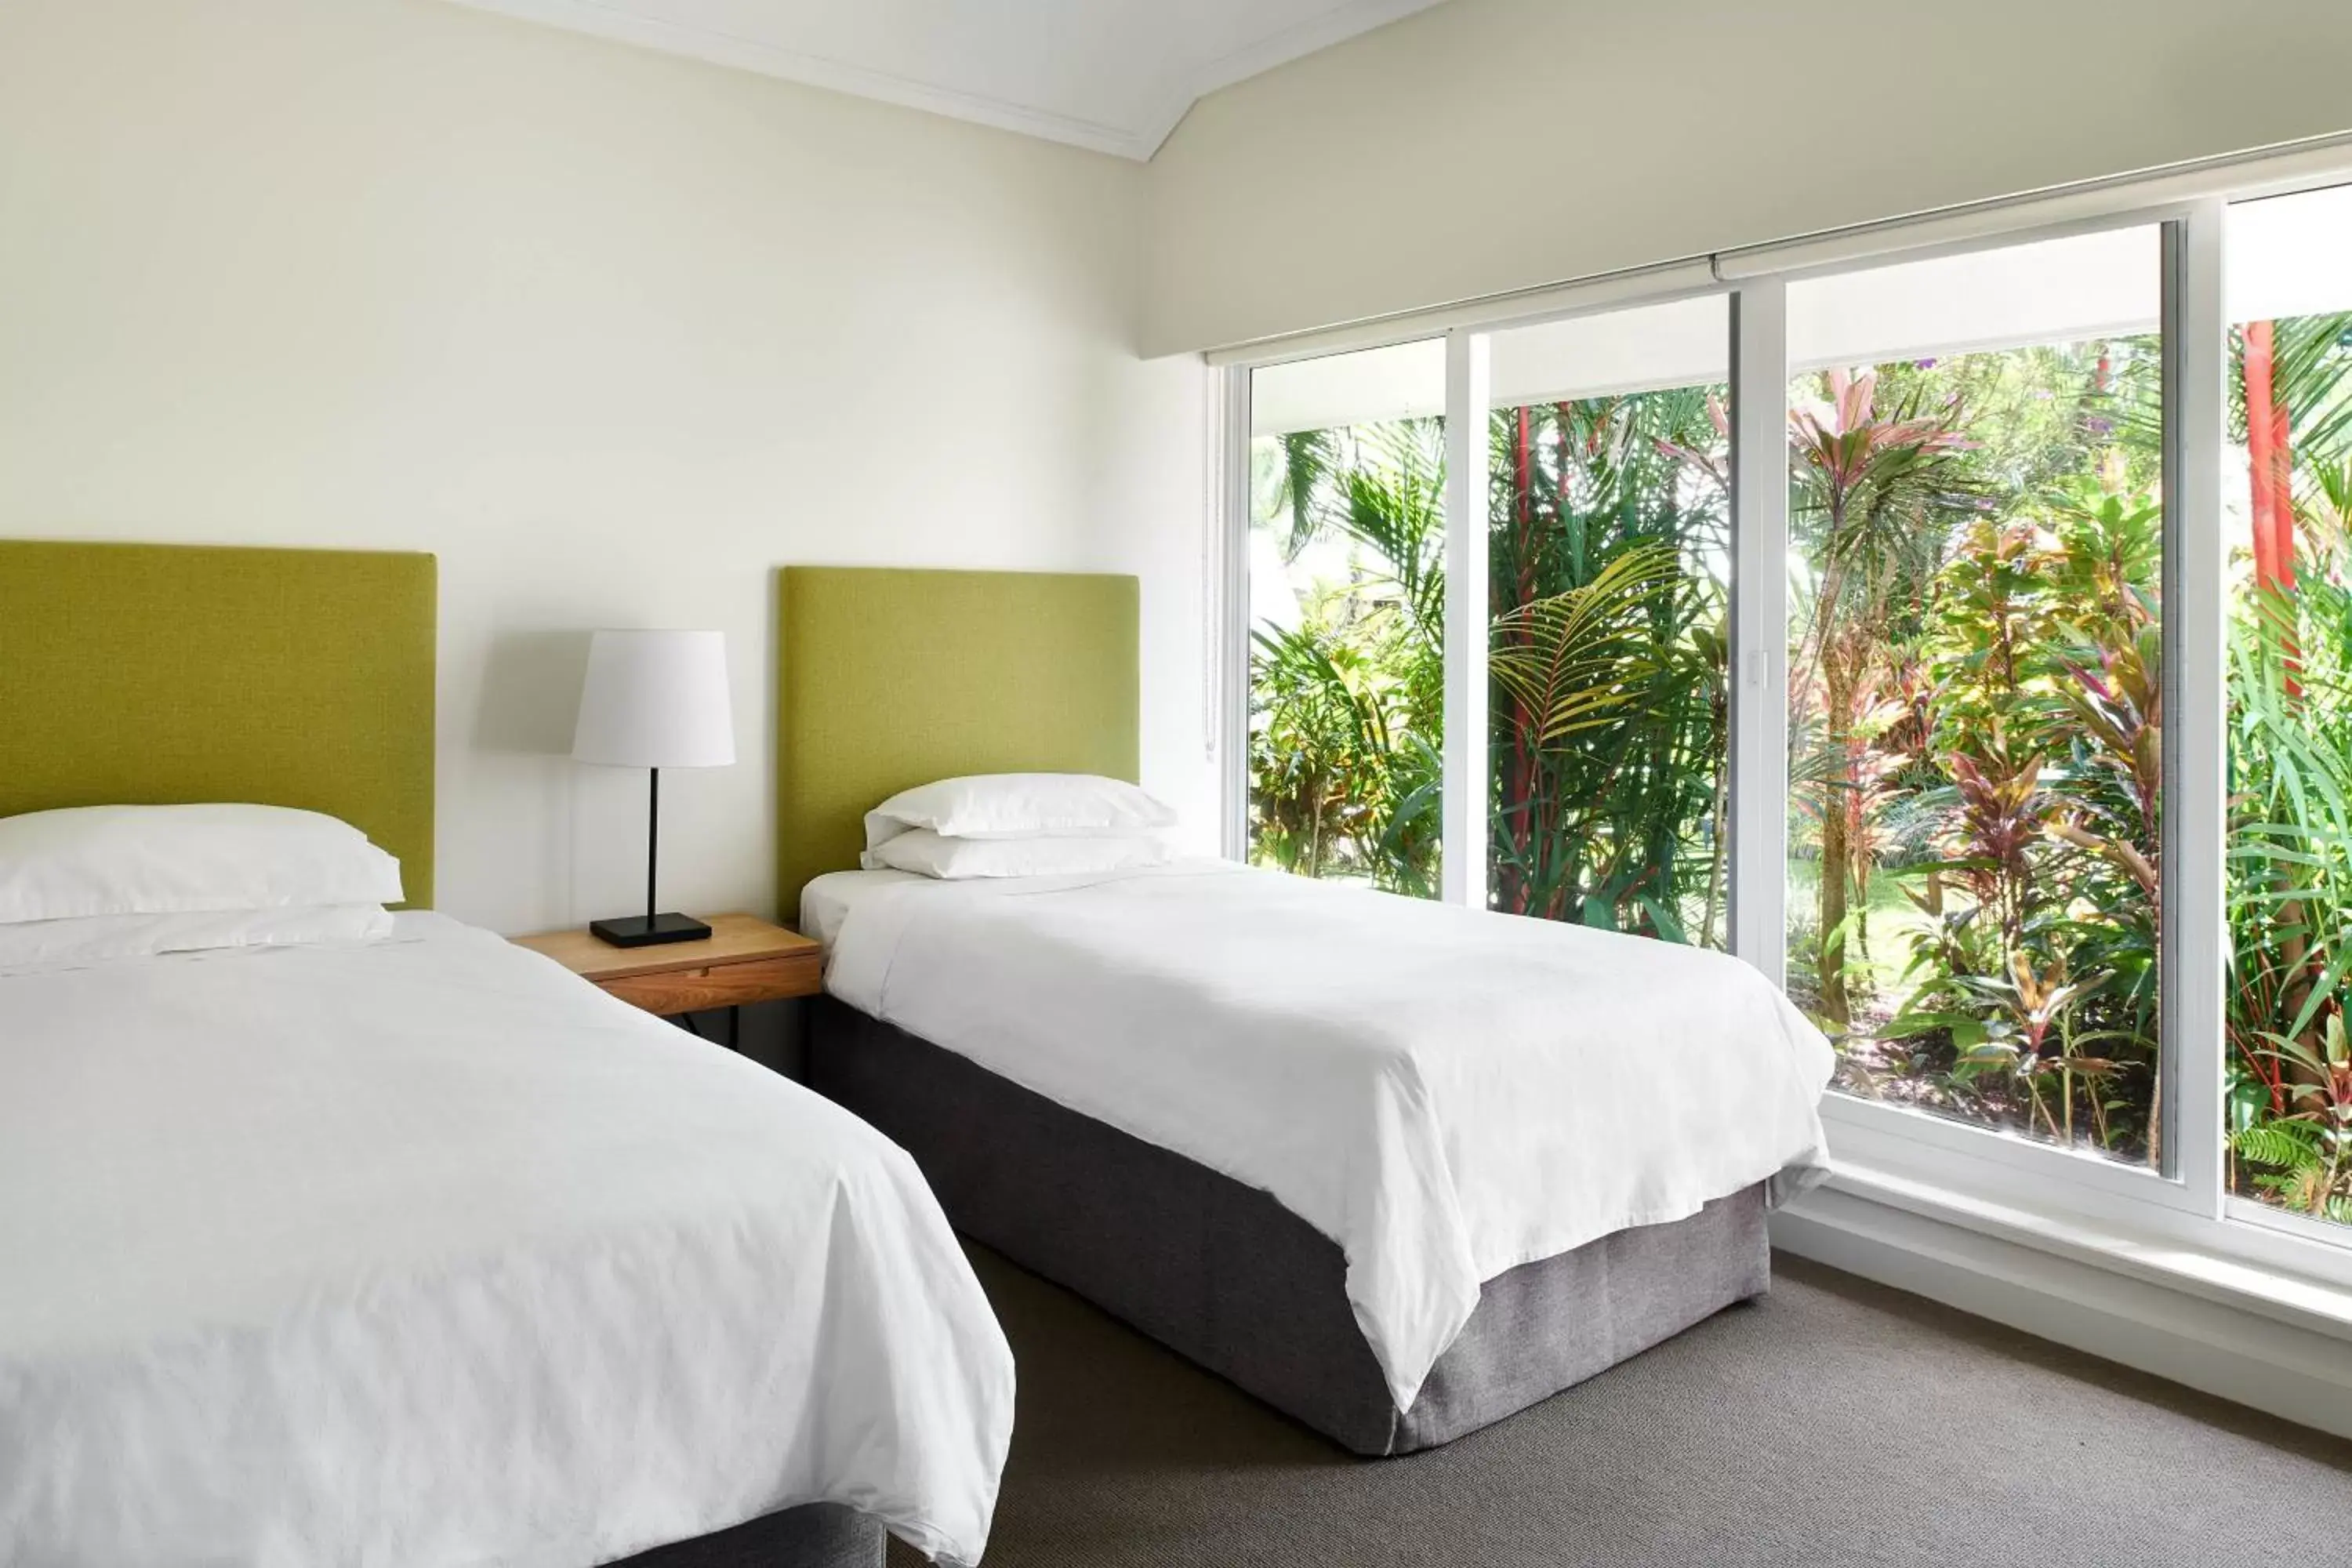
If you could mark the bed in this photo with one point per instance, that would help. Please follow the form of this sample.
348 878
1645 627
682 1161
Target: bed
417 1249
1362 1157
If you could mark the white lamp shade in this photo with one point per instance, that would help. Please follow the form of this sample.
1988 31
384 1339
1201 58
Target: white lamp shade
656 700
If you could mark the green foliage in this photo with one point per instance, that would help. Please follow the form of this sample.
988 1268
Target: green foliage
2289 1095
1976 712
1607 544
1347 705
1875 481
1608 549
2029 673
2291 1147
1341 784
2031 992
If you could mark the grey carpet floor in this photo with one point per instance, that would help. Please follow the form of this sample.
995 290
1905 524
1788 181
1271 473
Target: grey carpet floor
1835 1422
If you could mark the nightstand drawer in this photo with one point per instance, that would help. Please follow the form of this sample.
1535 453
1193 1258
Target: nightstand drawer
674 990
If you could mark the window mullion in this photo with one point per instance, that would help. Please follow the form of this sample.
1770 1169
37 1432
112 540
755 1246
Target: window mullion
1760 622
1229 617
2196 931
1464 790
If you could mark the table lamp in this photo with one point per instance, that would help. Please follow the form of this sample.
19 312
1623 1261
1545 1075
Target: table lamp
655 701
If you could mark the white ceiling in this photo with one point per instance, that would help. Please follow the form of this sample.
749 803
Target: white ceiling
1112 75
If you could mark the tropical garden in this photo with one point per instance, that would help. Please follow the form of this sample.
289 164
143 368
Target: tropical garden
1976 708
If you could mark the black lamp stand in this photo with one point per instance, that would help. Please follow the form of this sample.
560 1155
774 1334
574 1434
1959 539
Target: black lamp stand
649 928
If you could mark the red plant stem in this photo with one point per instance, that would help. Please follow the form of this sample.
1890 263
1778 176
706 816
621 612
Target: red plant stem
2274 1079
2259 363
1520 499
2270 457
2269 460
1531 463
2270 454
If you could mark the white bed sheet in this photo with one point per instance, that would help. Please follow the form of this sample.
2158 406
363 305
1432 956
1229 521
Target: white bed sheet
1445 1092
826 900
424 1252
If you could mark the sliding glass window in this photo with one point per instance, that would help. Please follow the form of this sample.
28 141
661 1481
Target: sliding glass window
2067 528
2287 528
1347 616
1975 680
1609 555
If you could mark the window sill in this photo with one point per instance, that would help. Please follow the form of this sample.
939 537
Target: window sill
2279 1342
2305 1303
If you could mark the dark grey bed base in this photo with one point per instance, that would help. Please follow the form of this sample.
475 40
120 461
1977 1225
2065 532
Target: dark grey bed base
819 1535
1226 1275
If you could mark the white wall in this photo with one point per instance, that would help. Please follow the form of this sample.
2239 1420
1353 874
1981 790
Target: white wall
611 334
1488 145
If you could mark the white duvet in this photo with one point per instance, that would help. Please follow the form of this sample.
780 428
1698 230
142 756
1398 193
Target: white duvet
424 1252
1445 1092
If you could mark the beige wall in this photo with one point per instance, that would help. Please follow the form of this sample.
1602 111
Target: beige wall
1487 145
613 335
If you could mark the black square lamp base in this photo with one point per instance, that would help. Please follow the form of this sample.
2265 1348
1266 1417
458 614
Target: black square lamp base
648 931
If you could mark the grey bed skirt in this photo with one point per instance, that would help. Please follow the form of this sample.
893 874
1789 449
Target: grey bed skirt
819 1535
1221 1273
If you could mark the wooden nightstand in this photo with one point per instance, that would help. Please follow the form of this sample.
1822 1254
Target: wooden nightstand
744 959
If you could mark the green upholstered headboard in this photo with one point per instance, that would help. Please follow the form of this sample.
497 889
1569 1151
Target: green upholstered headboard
155 674
889 679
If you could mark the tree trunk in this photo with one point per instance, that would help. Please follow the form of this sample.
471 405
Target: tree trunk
1836 851
1836 1005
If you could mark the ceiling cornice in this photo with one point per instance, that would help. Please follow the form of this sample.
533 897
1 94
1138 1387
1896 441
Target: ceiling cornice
617 23
815 70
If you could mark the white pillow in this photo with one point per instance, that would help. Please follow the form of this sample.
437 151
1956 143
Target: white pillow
169 859
930 854
98 937
1019 805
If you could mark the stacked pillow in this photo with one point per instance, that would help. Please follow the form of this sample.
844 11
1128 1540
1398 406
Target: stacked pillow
1017 825
120 881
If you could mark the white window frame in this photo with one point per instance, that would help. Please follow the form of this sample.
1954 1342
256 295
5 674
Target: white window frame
1229 668
1461 843
1759 625
2185 1206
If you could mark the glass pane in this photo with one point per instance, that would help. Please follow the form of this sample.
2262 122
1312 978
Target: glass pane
2287 504
1975 674
1610 549
1347 570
